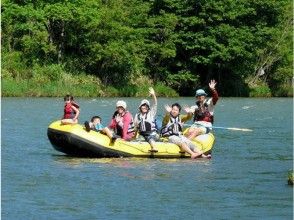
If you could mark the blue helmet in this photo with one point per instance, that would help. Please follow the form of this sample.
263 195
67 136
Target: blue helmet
200 92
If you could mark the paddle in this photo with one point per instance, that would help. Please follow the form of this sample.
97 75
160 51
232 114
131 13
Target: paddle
233 129
226 128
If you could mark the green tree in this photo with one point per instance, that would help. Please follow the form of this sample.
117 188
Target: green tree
221 39
177 43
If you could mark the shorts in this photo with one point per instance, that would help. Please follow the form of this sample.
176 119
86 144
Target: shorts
179 140
203 129
151 137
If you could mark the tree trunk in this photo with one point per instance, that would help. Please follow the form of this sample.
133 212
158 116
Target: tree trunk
61 44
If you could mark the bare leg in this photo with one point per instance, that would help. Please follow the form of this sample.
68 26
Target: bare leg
195 149
107 132
193 154
69 121
194 133
152 144
199 152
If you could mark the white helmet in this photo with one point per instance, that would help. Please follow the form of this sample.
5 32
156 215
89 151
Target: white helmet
144 102
121 103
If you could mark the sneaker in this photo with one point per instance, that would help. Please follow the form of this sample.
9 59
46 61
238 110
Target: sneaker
114 137
87 126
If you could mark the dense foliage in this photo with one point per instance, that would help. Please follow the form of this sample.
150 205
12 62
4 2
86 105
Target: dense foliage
121 46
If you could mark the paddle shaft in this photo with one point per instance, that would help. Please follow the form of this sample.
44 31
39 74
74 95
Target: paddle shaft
225 128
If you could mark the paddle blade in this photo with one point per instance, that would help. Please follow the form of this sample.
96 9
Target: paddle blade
240 129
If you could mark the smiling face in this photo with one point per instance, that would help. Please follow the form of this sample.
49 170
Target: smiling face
200 98
120 109
144 109
175 111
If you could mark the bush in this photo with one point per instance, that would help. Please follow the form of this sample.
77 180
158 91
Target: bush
51 72
258 88
163 90
284 90
12 88
14 67
110 91
260 91
5 74
290 177
143 90
128 91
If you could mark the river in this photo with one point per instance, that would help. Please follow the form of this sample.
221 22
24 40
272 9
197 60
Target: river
245 179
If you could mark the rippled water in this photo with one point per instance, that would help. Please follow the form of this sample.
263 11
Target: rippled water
246 178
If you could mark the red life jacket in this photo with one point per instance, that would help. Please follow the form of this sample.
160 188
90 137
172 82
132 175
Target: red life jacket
68 111
202 114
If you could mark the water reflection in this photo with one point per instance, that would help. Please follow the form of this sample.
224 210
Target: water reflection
129 162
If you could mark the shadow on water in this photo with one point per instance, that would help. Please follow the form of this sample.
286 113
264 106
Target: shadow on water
127 162
135 168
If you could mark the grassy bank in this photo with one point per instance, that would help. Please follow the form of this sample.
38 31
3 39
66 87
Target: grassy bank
290 177
29 88
261 89
53 81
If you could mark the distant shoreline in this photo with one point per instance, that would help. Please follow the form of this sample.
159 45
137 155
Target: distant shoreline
25 90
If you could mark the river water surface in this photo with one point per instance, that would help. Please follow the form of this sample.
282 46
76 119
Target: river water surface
246 177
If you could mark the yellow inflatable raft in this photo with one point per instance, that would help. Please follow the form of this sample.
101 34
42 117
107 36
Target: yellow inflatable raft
74 140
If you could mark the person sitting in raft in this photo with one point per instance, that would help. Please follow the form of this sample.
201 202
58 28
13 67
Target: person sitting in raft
203 112
122 121
172 126
96 125
145 121
71 111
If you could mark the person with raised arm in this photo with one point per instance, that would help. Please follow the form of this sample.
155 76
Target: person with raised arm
145 120
203 111
172 127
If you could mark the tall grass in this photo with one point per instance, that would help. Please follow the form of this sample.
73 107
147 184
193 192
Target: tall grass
290 177
260 91
284 90
54 81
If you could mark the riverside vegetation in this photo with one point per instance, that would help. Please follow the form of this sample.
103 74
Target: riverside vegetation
121 47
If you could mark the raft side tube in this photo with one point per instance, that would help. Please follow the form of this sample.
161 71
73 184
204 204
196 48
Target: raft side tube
75 141
74 145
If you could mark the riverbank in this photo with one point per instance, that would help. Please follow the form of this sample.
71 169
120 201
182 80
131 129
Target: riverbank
86 86
55 81
28 88
50 49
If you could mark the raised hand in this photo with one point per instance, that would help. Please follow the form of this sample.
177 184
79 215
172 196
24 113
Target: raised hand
187 109
167 108
212 84
151 91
